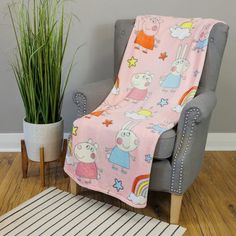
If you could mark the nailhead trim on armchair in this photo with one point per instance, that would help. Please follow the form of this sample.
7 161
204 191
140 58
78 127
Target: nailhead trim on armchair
81 101
186 120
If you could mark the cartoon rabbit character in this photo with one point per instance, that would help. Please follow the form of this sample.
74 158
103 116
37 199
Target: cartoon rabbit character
202 42
146 38
140 84
179 66
86 153
126 142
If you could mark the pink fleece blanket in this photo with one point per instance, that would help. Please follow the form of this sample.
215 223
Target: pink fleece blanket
112 148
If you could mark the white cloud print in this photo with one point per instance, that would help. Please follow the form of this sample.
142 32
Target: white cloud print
179 32
135 115
137 200
178 108
69 160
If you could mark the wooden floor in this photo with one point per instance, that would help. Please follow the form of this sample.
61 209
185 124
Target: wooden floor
209 207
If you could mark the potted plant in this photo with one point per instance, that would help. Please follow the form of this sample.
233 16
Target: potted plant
39 27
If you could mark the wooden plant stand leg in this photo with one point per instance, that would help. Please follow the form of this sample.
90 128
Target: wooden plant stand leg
24 159
74 188
63 155
42 167
175 207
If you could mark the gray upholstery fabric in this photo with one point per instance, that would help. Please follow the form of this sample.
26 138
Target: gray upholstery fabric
165 145
96 93
184 147
161 176
216 46
123 30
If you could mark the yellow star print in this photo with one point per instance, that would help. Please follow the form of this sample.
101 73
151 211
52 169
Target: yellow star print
70 146
132 62
74 130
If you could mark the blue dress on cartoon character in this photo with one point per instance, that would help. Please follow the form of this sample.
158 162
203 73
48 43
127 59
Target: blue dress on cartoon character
171 81
200 44
119 157
158 129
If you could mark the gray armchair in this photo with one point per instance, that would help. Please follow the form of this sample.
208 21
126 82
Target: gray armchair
180 151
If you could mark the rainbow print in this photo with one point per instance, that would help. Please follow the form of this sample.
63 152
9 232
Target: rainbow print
187 96
69 154
140 185
117 83
116 88
139 189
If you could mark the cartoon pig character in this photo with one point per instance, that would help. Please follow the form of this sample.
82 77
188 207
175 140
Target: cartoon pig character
140 84
126 142
202 42
146 38
85 153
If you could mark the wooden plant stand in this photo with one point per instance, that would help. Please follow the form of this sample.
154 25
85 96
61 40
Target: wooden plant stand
26 160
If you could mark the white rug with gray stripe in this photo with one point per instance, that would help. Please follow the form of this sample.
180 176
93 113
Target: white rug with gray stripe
54 212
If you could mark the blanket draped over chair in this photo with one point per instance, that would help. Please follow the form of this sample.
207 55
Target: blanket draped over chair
112 148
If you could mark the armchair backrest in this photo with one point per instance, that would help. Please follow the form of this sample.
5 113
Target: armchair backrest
217 41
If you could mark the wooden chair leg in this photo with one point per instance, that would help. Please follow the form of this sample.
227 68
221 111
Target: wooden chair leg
175 207
42 167
24 159
74 188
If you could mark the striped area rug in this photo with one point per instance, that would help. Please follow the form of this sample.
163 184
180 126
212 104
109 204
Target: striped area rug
54 212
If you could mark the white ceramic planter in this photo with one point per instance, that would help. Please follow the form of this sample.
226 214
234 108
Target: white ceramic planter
50 136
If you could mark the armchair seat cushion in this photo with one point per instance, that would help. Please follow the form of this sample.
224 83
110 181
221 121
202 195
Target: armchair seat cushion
165 145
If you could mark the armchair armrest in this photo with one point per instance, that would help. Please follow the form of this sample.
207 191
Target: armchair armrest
191 140
93 94
203 103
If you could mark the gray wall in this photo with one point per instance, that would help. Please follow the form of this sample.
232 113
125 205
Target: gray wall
95 59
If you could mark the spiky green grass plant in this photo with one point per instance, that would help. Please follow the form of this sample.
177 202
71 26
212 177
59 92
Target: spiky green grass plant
41 43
